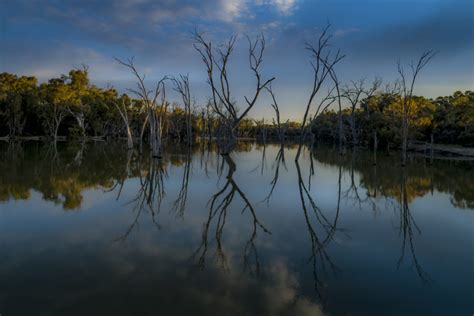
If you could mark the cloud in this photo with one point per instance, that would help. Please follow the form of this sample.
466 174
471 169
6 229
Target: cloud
344 32
286 7
231 9
45 37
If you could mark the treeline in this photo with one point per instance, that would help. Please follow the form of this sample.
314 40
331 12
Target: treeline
71 106
446 120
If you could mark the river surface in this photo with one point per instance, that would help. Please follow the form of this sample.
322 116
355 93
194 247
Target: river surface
95 230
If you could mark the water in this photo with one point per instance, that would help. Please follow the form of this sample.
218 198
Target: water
95 230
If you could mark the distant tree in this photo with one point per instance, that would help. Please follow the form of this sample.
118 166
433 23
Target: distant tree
80 104
55 97
407 87
17 98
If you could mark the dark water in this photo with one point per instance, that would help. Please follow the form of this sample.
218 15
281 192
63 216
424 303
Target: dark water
95 230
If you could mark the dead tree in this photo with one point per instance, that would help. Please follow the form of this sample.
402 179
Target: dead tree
182 87
281 130
322 63
353 94
368 95
370 92
155 105
407 87
222 102
122 109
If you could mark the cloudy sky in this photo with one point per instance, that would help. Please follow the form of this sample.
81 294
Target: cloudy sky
47 38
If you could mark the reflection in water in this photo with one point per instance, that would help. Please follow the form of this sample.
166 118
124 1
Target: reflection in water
179 205
150 192
219 205
329 227
182 215
62 174
406 228
279 160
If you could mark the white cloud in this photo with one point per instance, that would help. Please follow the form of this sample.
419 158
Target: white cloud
285 7
231 9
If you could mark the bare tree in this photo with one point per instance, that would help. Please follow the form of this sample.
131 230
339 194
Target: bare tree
122 109
322 63
354 93
281 130
182 87
155 104
222 101
369 93
407 87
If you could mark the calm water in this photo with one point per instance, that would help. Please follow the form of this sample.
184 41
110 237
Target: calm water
95 230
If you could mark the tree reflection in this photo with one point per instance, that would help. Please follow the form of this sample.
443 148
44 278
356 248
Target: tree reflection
218 209
179 205
279 160
321 231
407 226
61 172
452 177
150 192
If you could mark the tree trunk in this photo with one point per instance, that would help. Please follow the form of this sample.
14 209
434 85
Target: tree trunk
155 139
353 130
129 137
375 148
404 137
56 128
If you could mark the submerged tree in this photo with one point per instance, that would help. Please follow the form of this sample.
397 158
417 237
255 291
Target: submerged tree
155 105
354 93
281 130
322 63
122 105
222 102
183 88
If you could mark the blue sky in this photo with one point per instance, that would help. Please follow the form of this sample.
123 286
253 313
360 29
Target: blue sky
47 38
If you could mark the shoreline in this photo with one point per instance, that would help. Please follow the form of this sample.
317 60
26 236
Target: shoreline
440 151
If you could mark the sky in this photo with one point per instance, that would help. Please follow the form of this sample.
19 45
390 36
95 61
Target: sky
48 38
